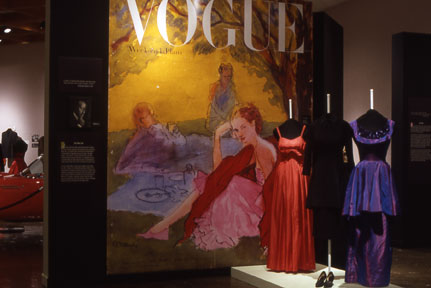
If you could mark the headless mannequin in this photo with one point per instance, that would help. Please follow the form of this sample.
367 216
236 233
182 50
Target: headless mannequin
290 129
372 121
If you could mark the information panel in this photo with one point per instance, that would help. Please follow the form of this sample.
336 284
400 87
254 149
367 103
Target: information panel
420 130
77 162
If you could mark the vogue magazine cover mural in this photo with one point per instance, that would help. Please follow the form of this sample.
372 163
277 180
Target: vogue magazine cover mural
196 88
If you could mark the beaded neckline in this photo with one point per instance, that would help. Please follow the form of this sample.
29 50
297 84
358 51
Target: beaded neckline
372 137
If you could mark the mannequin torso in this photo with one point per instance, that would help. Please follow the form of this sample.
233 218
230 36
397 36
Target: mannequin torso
290 129
372 135
372 121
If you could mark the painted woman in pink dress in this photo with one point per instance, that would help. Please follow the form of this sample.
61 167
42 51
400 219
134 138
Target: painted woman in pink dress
227 204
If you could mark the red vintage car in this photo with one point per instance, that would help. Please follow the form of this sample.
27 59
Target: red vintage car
21 195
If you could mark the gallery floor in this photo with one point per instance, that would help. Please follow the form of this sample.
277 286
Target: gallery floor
21 267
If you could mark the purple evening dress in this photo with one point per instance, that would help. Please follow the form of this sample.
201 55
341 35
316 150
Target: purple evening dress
370 198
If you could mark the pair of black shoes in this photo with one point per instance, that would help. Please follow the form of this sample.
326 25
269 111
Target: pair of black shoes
325 281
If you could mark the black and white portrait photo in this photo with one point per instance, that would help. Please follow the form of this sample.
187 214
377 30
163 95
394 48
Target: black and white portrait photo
80 114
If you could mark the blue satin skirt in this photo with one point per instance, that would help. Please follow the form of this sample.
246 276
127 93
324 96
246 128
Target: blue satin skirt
369 256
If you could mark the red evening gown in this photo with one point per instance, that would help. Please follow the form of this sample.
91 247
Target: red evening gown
291 243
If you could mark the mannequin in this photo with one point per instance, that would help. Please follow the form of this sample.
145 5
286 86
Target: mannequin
290 129
9 137
370 200
329 160
18 163
372 120
288 238
372 124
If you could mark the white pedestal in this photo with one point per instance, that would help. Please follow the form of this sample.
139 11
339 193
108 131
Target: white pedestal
260 277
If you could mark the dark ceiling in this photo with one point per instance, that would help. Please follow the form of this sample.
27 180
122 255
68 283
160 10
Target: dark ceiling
26 18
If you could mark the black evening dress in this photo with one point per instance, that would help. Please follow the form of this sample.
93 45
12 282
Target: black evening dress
329 160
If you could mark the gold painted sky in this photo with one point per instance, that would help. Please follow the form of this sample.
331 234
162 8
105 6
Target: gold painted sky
177 86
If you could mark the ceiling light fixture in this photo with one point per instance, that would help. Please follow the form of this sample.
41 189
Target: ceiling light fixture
1 40
7 30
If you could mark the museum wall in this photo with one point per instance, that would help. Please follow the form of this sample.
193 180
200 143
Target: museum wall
22 92
368 28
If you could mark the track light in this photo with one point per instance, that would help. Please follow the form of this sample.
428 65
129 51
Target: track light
7 30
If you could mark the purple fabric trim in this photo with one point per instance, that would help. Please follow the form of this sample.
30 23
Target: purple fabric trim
364 140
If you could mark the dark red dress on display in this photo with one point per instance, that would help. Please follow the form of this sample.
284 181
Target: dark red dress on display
18 164
290 237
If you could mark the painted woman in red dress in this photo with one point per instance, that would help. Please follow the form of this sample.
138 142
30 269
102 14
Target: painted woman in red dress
227 204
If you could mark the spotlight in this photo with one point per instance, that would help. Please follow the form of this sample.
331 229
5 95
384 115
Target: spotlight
1 40
7 30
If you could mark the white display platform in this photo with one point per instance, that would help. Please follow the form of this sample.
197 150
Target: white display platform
260 277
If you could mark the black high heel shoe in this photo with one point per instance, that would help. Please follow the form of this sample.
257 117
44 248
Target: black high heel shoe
321 280
329 280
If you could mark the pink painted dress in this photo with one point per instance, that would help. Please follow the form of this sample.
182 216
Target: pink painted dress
235 213
229 206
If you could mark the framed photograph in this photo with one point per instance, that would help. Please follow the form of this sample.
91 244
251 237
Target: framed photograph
79 112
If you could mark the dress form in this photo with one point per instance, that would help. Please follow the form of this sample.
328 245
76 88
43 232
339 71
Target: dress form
288 224
372 120
290 129
328 155
370 200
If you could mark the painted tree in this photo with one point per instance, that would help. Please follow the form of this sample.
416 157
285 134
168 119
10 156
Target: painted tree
288 73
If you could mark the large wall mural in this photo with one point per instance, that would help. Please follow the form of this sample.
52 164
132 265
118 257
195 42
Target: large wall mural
196 88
